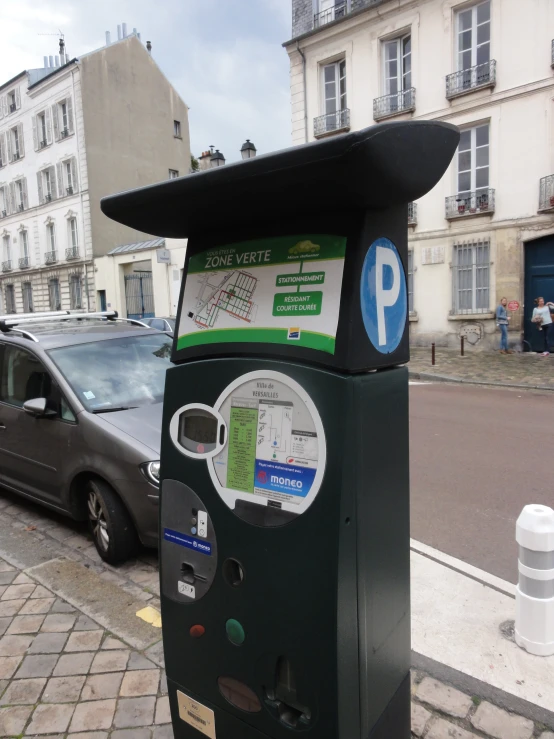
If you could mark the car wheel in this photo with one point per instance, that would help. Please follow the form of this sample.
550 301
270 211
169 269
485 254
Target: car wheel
111 526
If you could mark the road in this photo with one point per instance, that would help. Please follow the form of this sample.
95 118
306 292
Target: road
478 455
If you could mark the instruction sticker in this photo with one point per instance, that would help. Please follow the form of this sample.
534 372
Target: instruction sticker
185 589
189 542
196 714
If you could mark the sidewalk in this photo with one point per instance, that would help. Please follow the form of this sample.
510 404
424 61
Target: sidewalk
524 370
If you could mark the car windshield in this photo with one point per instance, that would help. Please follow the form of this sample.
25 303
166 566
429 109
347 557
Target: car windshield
116 373
171 322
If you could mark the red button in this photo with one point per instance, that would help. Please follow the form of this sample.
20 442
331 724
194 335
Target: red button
197 630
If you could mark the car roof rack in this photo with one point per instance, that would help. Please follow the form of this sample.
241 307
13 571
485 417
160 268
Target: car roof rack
9 323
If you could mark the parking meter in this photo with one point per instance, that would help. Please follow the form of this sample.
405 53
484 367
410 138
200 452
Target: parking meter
284 521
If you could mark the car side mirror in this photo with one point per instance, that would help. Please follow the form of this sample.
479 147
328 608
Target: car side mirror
38 407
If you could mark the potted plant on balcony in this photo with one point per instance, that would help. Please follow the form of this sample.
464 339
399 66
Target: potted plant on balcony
552 201
461 208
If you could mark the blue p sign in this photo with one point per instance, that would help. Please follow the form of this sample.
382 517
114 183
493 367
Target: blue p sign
383 296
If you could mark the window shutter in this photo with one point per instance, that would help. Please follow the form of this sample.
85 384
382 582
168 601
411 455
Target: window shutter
25 196
69 102
12 199
9 140
1 108
53 181
39 183
3 160
17 98
74 175
4 104
35 135
61 183
47 116
21 141
56 123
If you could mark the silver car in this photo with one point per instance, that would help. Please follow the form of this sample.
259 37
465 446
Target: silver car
80 422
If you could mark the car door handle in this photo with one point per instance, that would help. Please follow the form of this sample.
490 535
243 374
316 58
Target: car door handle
2 426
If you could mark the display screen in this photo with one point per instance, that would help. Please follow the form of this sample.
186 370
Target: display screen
200 429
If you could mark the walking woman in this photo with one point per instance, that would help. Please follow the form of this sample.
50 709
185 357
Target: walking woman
541 316
502 319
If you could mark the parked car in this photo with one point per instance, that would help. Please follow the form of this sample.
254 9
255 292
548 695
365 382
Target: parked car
161 324
80 422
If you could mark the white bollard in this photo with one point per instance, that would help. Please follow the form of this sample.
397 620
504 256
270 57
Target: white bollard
534 627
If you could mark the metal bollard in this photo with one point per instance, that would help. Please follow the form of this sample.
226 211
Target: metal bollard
534 625
433 354
462 346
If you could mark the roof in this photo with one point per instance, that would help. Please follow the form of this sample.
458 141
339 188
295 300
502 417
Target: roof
52 335
378 167
52 71
138 246
13 79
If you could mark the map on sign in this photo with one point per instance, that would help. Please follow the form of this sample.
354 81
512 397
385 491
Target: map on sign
229 293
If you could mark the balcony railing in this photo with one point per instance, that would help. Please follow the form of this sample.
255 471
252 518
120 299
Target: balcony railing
50 257
332 123
412 214
470 203
331 14
3 213
546 194
389 105
552 53
72 252
467 80
7 266
24 262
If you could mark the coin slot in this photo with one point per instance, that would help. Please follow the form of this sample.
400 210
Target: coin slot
189 575
221 435
233 573
284 699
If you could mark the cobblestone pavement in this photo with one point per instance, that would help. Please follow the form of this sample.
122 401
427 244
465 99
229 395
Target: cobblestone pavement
523 369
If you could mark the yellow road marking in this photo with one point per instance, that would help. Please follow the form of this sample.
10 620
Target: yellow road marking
151 616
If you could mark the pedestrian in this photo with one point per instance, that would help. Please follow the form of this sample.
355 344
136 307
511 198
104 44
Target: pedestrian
502 319
541 316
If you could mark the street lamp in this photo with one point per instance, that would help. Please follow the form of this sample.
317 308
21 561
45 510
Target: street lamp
217 159
248 150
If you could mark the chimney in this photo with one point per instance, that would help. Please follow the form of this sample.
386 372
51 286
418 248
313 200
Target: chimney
124 30
45 62
51 60
62 49
108 38
134 31
204 161
149 47
119 33
138 34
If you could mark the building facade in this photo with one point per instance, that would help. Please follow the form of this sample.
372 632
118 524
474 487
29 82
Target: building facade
487 229
70 133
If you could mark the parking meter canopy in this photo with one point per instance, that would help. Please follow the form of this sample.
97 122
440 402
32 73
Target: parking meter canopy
300 254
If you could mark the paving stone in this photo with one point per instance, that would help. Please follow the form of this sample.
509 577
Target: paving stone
156 653
61 606
92 735
501 724
40 605
441 729
134 712
3 589
60 533
547 735
14 646
8 665
4 566
63 689
93 715
41 592
140 682
37 666
16 592
10 607
112 577
136 592
77 541
111 643
6 578
48 644
138 662
131 734
4 624
3 685
48 719
25 624
420 716
84 623
110 661
13 719
58 622
163 714
162 732
81 641
22 579
74 664
24 691
163 683
444 698
98 687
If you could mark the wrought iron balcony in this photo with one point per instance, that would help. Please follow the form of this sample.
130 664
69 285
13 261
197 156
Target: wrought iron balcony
332 123
72 252
12 107
24 262
546 194
3 213
412 214
331 14
467 80
50 257
470 204
7 266
395 104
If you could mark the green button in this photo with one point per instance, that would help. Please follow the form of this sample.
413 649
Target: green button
235 632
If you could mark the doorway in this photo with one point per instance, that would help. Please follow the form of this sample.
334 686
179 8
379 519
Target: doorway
139 295
539 282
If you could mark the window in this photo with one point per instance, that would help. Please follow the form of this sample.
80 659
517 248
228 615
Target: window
335 111
329 10
10 299
4 202
173 174
42 130
411 281
6 249
15 143
24 261
473 164
398 65
46 180
64 118
27 292
177 129
13 100
73 236
67 177
51 238
47 184
54 294
471 272
75 292
158 324
474 36
3 157
62 115
20 194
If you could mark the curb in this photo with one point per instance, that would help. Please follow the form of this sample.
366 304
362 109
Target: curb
461 381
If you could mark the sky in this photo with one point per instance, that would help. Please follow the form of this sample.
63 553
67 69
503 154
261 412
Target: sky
224 57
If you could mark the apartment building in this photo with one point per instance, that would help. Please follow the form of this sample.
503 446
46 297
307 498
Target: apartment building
71 132
487 229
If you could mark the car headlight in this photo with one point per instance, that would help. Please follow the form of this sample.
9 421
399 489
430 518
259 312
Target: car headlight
151 470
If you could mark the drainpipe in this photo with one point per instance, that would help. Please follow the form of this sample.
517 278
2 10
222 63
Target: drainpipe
299 50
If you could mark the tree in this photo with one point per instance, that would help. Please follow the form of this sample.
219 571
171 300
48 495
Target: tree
194 164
